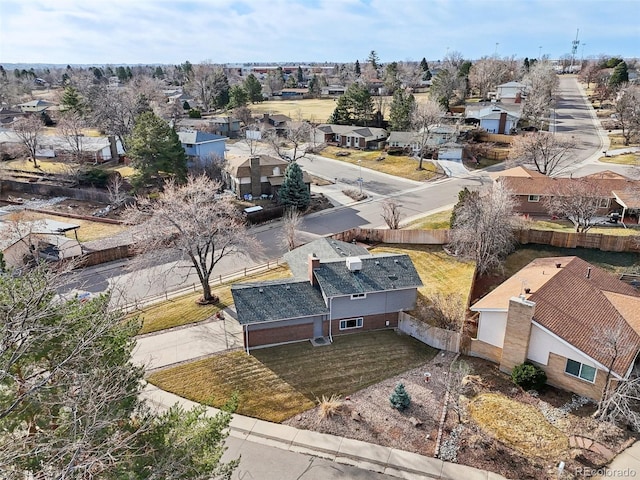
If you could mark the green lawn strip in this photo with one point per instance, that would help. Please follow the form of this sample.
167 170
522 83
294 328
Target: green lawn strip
566 226
615 262
400 166
184 309
439 272
212 381
435 221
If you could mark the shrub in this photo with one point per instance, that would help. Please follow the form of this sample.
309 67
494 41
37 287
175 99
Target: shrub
528 376
399 398
193 113
329 406
96 177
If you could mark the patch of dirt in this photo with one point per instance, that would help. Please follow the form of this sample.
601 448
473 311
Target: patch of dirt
368 416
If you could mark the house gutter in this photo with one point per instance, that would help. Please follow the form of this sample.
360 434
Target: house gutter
330 319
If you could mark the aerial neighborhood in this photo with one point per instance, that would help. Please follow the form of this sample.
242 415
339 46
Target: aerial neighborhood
382 268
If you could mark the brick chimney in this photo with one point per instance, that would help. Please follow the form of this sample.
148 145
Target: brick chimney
314 263
256 184
517 333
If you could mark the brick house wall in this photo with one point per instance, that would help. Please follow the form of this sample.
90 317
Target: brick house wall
369 322
557 377
272 336
485 350
517 333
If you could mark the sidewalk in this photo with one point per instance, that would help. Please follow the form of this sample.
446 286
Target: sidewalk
389 461
625 465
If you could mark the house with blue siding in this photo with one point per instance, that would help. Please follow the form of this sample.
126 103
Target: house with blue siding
202 146
345 291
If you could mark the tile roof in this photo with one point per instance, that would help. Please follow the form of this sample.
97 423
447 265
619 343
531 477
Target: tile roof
276 300
325 249
576 308
378 273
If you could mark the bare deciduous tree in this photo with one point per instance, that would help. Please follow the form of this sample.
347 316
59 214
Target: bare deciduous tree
291 221
71 126
447 310
293 145
488 73
483 230
458 372
542 82
628 112
391 213
575 199
425 116
117 193
194 220
544 151
29 131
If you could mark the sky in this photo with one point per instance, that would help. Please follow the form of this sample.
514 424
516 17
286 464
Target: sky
102 32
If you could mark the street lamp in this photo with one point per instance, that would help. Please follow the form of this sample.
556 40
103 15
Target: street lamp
582 55
495 54
360 175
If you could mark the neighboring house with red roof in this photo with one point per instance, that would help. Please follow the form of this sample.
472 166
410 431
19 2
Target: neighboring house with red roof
556 313
616 193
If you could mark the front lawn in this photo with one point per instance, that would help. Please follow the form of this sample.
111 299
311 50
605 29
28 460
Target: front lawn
400 165
624 159
435 221
278 382
566 226
184 310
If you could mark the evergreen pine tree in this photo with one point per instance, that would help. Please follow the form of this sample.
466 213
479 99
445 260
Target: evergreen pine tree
357 68
300 75
71 100
400 399
620 75
402 105
294 192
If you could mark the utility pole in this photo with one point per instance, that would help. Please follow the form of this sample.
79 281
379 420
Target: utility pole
495 53
574 50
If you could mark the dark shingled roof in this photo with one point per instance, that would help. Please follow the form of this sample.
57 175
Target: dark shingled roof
325 249
378 273
276 300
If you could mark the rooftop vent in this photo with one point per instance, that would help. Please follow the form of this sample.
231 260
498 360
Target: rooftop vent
354 264
395 260
377 262
393 277
287 287
261 290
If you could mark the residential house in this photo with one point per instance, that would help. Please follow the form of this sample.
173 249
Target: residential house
35 106
616 193
558 313
438 135
47 238
8 115
275 122
294 93
337 296
202 146
495 117
333 90
511 92
225 125
257 176
350 136
93 149
181 97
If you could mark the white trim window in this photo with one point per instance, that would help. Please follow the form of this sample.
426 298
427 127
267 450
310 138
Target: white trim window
350 323
603 203
580 370
358 296
534 198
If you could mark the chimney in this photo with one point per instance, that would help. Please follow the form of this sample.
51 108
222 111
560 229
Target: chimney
314 263
256 184
517 333
588 272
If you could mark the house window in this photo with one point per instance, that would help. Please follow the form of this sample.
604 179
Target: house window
603 203
534 198
189 145
580 370
357 296
351 323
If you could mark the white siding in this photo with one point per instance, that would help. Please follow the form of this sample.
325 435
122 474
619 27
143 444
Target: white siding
542 343
491 327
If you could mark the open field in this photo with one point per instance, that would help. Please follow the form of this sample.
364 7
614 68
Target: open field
401 166
184 310
88 230
315 110
278 382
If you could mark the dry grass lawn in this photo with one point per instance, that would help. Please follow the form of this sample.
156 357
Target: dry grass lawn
435 221
519 426
212 381
184 310
625 159
439 272
44 166
617 141
401 166
278 382
88 230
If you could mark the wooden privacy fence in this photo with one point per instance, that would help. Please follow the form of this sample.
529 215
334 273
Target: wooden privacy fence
433 336
496 138
599 241
419 237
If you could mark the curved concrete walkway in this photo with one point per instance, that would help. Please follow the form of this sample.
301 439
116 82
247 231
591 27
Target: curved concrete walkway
376 458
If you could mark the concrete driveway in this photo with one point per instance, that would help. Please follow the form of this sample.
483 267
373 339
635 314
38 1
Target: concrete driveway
181 344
